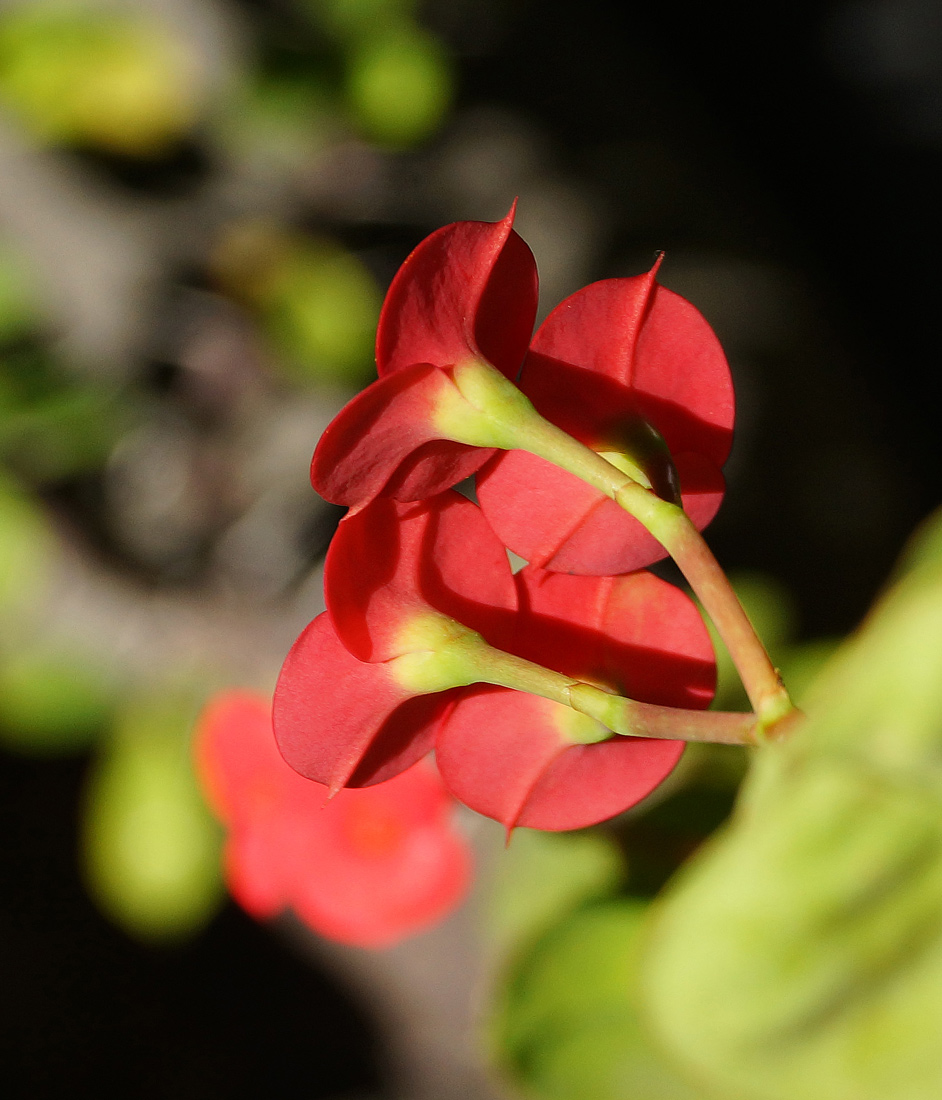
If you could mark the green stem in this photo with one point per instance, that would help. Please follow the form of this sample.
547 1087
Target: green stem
452 655
492 411
618 714
672 527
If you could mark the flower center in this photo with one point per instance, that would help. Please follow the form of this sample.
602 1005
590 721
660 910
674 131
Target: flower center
372 831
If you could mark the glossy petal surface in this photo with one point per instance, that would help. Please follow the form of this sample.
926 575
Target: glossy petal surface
391 561
514 757
615 355
468 290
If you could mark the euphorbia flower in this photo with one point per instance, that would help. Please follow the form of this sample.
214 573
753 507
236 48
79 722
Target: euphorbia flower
369 868
466 295
624 366
522 759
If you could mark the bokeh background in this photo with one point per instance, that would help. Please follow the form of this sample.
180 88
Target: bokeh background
201 204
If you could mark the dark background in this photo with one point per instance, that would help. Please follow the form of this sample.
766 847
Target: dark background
788 147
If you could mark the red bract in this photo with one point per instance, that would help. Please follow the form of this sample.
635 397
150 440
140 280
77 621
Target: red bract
393 561
612 361
370 868
346 723
391 568
529 761
466 293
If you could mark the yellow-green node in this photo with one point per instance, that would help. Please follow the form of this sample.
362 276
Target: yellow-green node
480 407
576 727
438 653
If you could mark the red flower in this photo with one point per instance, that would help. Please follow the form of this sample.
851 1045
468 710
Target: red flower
466 294
369 868
513 756
623 365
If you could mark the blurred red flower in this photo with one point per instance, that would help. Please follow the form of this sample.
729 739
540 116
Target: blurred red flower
369 868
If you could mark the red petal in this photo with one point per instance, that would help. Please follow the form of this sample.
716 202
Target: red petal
637 634
257 867
374 437
388 862
392 561
502 753
342 722
630 346
236 758
469 289
611 353
555 521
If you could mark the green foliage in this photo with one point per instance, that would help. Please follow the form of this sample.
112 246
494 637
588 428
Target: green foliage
321 311
151 848
543 876
570 1029
52 702
68 429
80 74
19 308
800 956
398 86
26 548
317 302
347 19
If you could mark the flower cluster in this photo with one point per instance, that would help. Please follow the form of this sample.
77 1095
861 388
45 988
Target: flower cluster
524 684
371 867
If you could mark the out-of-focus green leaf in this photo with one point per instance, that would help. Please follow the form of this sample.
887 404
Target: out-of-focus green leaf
19 310
151 848
802 664
771 610
569 1027
27 545
317 302
321 312
353 18
542 876
66 432
800 957
52 702
94 75
278 121
398 86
